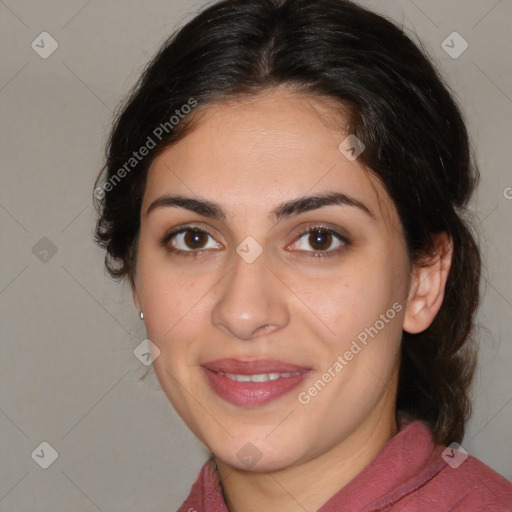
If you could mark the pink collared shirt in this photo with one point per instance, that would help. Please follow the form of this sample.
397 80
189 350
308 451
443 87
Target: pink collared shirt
410 474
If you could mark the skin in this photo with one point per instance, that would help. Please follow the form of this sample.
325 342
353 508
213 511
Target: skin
250 156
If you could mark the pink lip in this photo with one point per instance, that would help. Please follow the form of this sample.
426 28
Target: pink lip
252 393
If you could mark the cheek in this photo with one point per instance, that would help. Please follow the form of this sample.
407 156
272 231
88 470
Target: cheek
354 300
163 306
173 317
169 299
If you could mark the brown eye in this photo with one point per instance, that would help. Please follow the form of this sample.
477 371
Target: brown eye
195 239
189 241
320 241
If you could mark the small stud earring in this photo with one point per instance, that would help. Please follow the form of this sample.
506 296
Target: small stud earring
141 314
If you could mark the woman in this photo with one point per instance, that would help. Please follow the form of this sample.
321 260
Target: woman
285 191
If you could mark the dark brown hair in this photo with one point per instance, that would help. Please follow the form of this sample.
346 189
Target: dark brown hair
399 107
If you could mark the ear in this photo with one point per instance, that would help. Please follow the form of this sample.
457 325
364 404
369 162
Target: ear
428 283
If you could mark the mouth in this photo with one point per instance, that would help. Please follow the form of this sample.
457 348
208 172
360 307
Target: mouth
254 382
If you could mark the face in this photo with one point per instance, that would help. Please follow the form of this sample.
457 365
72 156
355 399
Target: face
278 326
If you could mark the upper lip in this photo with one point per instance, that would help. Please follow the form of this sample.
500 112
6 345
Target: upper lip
252 366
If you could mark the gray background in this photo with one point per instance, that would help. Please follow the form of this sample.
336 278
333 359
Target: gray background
69 375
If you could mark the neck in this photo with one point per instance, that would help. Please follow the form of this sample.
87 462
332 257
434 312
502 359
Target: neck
307 486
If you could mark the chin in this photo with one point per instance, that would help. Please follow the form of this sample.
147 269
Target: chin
259 457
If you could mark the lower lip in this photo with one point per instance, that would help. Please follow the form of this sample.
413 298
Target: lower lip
252 393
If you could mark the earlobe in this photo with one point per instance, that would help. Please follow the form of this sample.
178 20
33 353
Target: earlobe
427 286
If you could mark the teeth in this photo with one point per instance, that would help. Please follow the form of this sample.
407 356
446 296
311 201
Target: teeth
259 377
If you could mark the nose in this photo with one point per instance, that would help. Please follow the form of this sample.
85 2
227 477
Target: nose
252 301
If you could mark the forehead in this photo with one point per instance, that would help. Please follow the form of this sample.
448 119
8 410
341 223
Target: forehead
253 153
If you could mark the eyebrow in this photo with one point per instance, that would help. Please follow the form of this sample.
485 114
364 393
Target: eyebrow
290 208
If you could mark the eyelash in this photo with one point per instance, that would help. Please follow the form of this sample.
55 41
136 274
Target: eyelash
323 230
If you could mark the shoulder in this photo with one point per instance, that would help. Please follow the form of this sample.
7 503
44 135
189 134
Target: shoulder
478 483
441 478
472 486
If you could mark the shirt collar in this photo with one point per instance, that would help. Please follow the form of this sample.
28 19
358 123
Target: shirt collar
404 464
